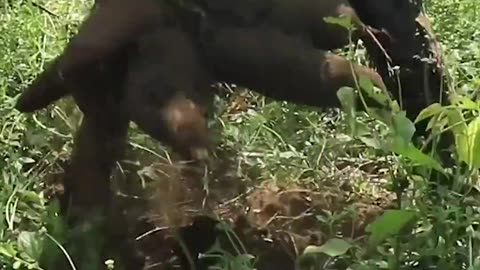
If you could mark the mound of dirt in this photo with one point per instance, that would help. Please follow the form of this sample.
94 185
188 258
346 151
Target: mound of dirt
188 217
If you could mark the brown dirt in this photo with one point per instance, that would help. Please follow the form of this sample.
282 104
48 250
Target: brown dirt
273 223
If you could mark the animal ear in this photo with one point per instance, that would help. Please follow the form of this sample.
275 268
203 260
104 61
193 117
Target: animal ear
111 25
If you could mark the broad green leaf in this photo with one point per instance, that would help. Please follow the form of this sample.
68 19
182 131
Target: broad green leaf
428 112
473 136
7 250
439 122
459 129
464 103
379 96
333 248
395 107
371 142
17 265
403 126
344 21
365 83
388 224
381 115
31 244
408 150
32 196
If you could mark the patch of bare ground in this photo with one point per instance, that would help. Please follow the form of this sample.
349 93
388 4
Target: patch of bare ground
190 212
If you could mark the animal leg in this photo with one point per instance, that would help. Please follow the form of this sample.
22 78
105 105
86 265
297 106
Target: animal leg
109 27
168 91
281 67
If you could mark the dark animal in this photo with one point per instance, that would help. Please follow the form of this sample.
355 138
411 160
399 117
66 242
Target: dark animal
281 66
99 142
168 90
102 91
162 86
398 18
405 43
277 51
398 31
290 69
108 28
304 19
50 84
161 97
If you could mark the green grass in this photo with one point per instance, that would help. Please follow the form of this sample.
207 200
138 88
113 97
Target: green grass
275 142
30 146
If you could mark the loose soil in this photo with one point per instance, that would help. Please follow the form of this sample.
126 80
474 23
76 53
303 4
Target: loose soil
183 212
